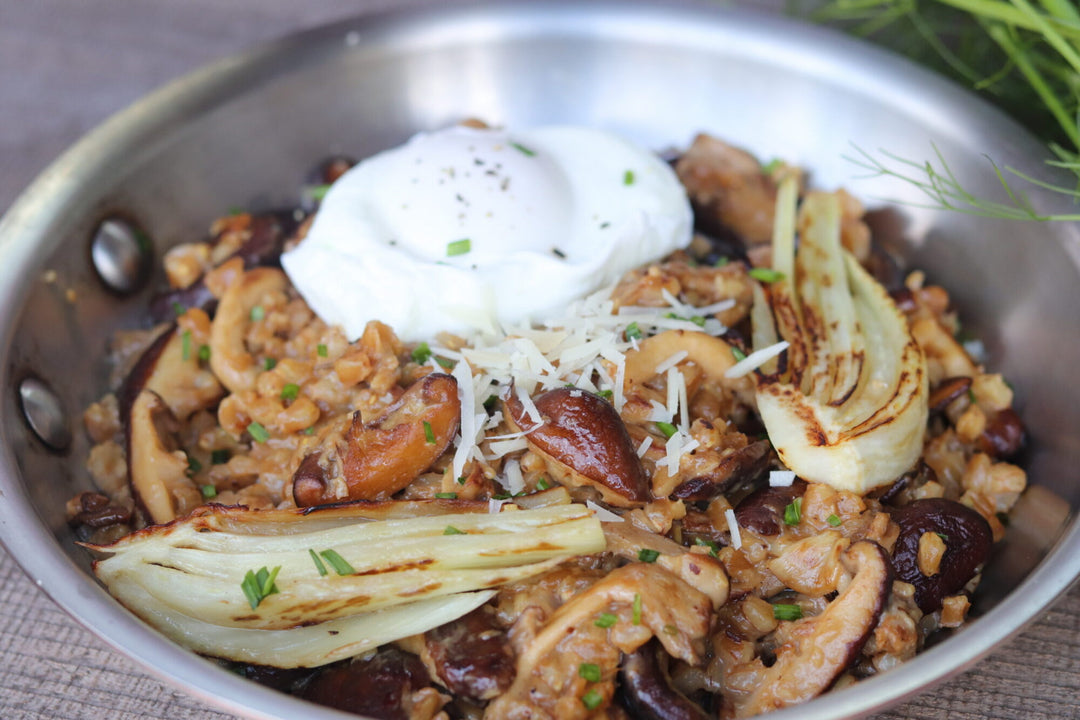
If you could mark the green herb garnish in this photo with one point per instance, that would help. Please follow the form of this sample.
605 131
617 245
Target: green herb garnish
219 457
793 512
523 150
738 354
185 345
258 432
458 247
257 313
318 563
290 392
705 542
667 428
444 363
451 530
636 609
257 586
781 611
592 699
834 520
429 434
628 177
209 492
421 353
766 275
647 555
633 332
321 350
341 565
589 671
269 363
606 620
193 465
204 353
606 394
446 496
542 484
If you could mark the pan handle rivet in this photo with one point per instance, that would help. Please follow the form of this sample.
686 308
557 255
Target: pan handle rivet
44 413
121 255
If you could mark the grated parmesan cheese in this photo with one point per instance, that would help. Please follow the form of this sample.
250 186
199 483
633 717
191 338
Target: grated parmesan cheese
515 481
602 513
781 478
645 445
733 527
755 360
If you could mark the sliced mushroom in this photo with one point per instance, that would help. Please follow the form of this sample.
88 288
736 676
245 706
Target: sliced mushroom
762 511
711 354
229 358
968 541
584 442
819 649
645 600
170 367
471 655
646 688
725 472
379 686
263 247
157 469
698 570
383 456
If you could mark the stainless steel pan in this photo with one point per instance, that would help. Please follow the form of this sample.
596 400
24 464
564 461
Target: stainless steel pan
243 132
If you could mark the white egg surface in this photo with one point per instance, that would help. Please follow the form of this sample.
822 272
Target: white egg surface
466 230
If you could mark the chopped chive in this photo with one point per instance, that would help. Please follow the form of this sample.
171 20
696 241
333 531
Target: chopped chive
738 354
451 530
558 253
178 308
628 177
633 332
444 363
542 484
636 607
258 432
446 496
204 353
943 536
310 430
670 629
834 520
606 394
667 428
793 512
647 555
291 391
705 542
462 480
721 262
523 150
257 586
458 247
592 699
589 671
318 563
766 275
269 364
772 166
218 457
421 353
185 345
341 565
321 350
781 611
429 434
193 465
257 313
209 492
489 404
318 192
606 620
971 396
698 320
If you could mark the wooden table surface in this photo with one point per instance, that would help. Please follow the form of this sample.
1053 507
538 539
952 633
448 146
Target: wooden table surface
65 65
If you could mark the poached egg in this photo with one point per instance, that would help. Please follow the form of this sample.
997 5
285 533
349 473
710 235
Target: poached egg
471 230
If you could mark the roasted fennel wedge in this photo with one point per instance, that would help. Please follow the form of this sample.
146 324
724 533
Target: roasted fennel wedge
849 406
339 587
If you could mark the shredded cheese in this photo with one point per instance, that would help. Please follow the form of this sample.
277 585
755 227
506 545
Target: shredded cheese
781 478
733 528
755 360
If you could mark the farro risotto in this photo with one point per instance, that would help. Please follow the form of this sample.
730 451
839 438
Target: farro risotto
759 468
